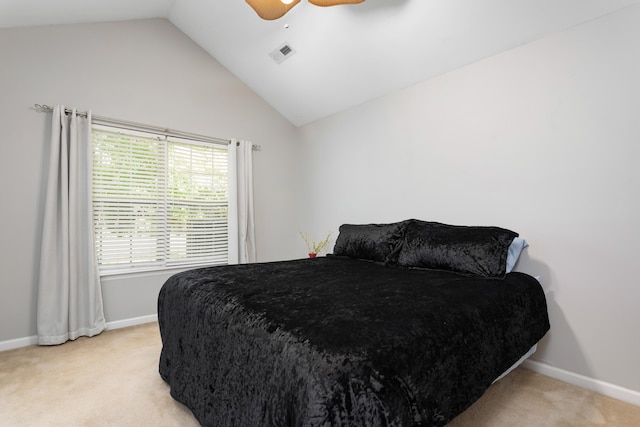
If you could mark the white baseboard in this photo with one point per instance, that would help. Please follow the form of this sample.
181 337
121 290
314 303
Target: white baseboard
33 340
132 322
607 389
18 343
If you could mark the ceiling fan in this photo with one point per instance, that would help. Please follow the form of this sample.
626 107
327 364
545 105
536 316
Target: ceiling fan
274 9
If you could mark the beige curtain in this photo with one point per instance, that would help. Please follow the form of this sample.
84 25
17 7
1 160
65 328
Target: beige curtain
69 294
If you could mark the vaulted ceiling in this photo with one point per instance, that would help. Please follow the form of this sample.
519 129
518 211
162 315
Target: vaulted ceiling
341 56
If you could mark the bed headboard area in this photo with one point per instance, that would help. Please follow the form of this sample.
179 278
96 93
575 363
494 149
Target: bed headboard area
474 250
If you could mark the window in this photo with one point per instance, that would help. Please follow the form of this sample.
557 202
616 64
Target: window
158 202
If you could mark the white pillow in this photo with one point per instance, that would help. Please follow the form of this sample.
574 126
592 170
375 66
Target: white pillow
516 247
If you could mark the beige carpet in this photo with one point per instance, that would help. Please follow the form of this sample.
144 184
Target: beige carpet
112 380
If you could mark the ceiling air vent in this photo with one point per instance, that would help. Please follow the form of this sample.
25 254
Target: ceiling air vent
282 53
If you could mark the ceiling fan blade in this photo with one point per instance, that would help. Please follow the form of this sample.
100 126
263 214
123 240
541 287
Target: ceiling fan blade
334 2
271 9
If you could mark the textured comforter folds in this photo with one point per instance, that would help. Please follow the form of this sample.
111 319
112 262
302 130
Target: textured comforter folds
340 342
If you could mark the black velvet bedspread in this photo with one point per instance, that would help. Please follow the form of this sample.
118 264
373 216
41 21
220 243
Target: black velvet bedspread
340 342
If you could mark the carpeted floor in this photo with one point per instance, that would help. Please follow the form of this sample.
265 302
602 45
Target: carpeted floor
112 380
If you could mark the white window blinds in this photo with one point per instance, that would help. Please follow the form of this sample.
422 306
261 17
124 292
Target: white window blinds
158 202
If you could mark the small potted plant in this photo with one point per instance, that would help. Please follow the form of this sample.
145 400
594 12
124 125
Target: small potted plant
315 247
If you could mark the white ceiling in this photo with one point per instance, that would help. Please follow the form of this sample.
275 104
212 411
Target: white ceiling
344 55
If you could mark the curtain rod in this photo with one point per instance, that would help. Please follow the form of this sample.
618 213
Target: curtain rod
142 127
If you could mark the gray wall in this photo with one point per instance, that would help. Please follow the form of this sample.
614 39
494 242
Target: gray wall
543 139
144 71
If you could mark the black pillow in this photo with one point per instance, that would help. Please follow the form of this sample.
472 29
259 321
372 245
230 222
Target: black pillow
374 242
480 251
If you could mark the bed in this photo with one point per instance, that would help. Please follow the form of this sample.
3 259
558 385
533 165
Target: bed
405 324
